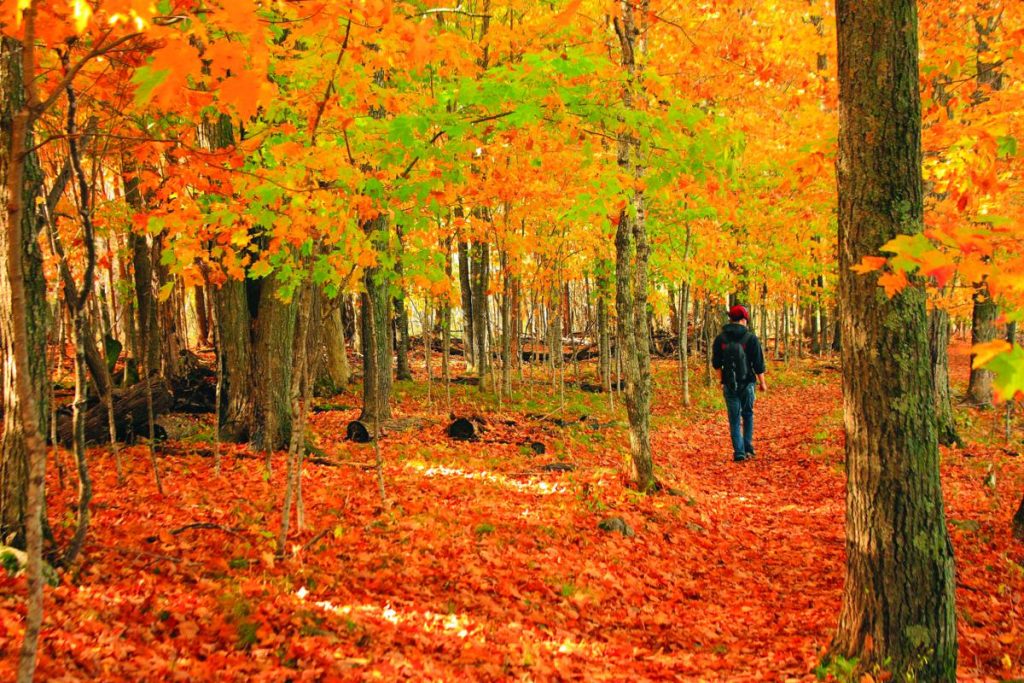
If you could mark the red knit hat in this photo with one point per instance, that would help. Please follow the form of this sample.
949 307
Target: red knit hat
737 313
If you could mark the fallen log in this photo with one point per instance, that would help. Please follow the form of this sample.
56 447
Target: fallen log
131 417
462 429
195 389
359 432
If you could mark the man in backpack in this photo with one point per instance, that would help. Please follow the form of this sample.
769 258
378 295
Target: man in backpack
738 357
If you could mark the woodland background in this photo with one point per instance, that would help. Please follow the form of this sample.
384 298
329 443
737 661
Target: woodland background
330 312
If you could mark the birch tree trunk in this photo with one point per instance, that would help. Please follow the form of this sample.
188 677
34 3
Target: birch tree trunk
632 252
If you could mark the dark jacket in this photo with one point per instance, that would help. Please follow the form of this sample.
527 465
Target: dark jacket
755 356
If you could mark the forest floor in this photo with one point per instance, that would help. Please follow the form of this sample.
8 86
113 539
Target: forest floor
482 564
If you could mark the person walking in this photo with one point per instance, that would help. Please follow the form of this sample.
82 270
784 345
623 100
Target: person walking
739 359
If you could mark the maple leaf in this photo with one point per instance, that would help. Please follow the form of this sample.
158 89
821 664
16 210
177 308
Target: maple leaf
869 264
893 282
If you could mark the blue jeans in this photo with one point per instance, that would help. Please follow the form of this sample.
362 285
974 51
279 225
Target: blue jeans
741 406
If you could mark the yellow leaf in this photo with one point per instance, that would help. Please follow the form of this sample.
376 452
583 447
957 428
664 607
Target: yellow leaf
869 264
984 353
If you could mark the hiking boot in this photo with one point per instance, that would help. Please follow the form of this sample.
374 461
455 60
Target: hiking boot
749 454
741 458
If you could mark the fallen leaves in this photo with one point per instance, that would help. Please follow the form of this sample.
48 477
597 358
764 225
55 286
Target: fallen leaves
486 566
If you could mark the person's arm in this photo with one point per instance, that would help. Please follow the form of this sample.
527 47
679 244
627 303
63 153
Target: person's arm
716 355
759 369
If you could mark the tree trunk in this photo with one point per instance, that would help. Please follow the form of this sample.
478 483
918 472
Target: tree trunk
632 252
898 602
14 458
170 332
684 342
270 427
938 343
202 319
507 333
837 329
481 257
403 372
604 346
335 370
466 288
22 179
376 335
234 334
983 329
233 318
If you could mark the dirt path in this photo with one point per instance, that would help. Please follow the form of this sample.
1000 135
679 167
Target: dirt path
776 576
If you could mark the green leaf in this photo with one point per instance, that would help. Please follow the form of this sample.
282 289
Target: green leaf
146 81
260 269
1007 146
1008 369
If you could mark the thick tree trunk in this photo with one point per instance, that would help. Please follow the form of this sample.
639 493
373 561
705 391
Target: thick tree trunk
938 343
983 330
14 459
234 334
376 335
898 603
632 253
273 345
335 371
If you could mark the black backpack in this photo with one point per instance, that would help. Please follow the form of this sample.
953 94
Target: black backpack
734 362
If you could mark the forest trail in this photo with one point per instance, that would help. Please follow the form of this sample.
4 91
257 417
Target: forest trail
486 565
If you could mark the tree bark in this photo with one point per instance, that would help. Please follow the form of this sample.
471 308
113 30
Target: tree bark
684 342
376 335
233 318
898 602
14 458
170 332
273 345
466 288
402 370
235 349
632 252
22 177
335 371
938 343
202 319
507 333
983 329
481 257
604 344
